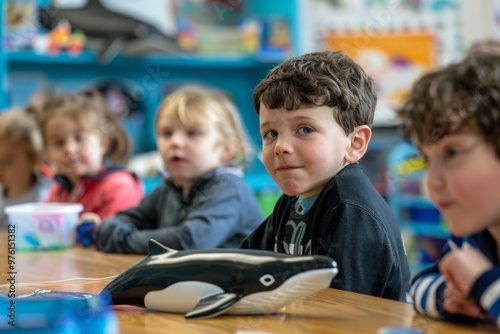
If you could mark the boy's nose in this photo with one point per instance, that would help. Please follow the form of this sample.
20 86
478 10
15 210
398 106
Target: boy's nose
282 146
433 177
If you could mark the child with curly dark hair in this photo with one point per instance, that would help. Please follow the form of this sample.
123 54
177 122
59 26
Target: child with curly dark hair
453 116
315 115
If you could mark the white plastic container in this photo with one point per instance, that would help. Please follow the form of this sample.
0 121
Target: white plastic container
44 226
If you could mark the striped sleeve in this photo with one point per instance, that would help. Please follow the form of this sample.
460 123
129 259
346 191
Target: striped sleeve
427 292
486 291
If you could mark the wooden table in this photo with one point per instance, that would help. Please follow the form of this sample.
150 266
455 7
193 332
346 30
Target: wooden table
328 311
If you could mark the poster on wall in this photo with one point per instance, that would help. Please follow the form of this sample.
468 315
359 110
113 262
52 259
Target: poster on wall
394 59
20 24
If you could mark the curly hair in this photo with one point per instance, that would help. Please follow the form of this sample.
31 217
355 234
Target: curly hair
489 45
324 78
461 96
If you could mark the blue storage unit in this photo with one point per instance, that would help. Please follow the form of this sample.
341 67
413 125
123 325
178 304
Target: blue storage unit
421 223
150 77
3 64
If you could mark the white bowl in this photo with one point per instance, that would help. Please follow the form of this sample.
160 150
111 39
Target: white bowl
43 226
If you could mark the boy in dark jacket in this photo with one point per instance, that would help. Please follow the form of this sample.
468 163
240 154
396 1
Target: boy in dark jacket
315 114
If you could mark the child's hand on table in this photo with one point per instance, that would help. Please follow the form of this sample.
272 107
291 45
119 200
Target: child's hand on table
461 268
90 217
87 223
458 303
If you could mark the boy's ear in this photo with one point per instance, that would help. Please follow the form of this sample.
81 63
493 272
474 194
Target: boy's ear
358 143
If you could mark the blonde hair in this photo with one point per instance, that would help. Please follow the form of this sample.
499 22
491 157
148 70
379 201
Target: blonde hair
195 103
89 103
17 125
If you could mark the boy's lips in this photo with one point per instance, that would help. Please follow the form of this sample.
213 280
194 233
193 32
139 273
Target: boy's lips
285 168
443 205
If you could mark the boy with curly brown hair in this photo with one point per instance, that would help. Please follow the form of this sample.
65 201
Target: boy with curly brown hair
315 114
453 116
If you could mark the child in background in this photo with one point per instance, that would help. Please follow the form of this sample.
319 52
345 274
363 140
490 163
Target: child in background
20 156
85 145
453 115
204 202
315 114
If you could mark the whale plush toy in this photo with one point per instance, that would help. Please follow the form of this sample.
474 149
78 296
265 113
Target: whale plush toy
206 283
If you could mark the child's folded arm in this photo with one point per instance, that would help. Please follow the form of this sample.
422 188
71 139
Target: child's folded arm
486 291
216 219
111 234
427 291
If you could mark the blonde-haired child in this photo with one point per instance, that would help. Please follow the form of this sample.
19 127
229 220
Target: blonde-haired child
86 145
204 202
20 156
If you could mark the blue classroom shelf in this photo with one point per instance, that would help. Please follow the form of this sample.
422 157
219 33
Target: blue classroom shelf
150 77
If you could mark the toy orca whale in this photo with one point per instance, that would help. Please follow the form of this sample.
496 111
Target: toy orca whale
206 283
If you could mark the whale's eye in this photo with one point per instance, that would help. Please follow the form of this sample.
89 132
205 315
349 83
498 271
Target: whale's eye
267 280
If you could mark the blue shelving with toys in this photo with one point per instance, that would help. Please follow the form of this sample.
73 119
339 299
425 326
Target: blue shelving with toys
149 77
423 228
25 72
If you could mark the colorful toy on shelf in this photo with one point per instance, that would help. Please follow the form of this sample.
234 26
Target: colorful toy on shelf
276 37
114 31
61 38
250 35
279 35
187 40
76 42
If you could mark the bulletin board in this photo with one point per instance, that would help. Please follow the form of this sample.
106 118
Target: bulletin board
394 59
416 47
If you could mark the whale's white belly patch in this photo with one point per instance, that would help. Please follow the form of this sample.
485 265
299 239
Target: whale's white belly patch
180 297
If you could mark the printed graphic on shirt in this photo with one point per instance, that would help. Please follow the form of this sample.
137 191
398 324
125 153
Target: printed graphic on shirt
295 239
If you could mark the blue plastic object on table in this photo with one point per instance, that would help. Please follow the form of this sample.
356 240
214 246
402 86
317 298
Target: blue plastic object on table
45 311
85 232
